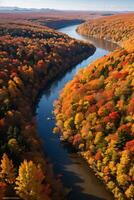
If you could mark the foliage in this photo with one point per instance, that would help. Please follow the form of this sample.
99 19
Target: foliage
30 56
117 28
29 181
7 173
103 118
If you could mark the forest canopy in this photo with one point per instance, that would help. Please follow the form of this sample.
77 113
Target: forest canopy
95 111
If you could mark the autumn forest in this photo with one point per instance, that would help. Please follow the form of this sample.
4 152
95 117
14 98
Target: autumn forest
94 112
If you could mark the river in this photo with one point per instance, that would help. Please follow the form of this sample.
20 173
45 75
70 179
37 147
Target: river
74 170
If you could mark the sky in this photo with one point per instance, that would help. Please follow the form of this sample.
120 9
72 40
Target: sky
116 5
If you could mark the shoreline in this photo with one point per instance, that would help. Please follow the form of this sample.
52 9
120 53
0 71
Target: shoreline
99 38
59 58
41 150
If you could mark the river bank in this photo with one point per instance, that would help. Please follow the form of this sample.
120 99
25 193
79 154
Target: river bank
31 59
89 115
116 28
61 23
75 173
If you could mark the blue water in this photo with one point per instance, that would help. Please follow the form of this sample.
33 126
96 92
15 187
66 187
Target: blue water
75 171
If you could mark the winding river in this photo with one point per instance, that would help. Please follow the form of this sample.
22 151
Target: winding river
75 172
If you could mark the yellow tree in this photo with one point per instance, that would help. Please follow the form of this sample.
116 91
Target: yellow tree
7 170
78 118
29 181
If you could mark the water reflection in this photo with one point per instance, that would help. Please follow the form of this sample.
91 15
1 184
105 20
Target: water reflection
99 43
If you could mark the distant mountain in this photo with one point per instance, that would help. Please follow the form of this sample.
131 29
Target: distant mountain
17 9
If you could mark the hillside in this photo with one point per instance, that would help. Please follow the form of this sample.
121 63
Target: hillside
116 28
31 55
95 113
47 17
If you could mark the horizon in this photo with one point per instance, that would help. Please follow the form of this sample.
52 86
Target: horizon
7 7
85 5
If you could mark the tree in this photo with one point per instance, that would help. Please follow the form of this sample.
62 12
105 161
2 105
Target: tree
7 170
98 137
130 192
122 179
79 117
123 137
13 145
56 130
130 146
98 155
29 181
